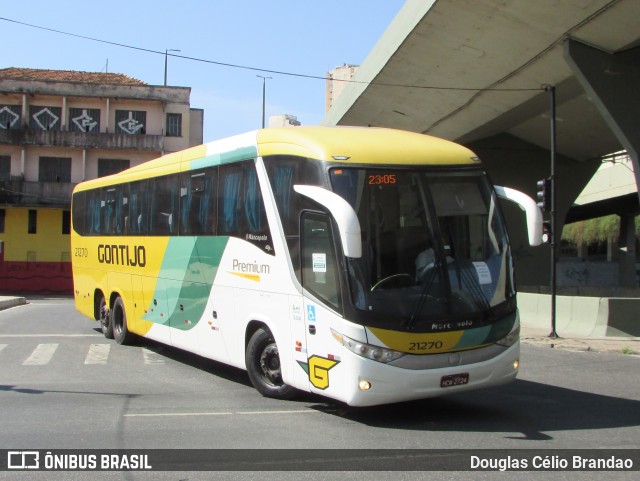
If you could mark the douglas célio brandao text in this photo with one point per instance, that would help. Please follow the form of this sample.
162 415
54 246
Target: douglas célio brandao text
550 463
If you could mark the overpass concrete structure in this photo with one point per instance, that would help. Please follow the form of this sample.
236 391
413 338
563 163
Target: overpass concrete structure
478 72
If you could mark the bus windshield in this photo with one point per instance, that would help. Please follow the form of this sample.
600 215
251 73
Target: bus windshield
434 247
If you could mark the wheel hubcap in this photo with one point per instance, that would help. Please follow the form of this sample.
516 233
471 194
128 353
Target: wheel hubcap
270 364
104 316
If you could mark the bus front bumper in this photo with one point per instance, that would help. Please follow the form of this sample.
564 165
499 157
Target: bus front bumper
377 383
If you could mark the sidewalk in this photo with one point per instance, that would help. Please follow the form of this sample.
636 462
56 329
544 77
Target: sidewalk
528 335
10 301
620 345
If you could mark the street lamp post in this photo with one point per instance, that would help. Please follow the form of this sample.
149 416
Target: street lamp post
554 238
166 54
264 81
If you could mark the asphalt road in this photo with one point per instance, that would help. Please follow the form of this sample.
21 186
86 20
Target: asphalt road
64 386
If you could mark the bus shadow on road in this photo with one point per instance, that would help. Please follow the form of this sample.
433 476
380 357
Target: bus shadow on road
218 369
528 409
225 371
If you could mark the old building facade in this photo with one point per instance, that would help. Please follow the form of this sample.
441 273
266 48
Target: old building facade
58 128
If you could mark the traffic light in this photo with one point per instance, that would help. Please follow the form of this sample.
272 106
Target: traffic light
544 194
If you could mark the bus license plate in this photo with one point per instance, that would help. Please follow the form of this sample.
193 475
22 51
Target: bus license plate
454 380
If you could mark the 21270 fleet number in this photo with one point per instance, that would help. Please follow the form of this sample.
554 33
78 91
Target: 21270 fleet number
425 345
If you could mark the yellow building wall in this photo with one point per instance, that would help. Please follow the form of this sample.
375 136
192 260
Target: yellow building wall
48 244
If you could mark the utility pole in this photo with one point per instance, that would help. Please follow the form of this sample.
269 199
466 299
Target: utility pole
166 54
264 90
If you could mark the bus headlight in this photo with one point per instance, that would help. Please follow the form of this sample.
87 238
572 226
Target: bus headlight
511 338
375 353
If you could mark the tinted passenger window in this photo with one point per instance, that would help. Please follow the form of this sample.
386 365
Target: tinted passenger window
137 222
164 206
241 211
198 203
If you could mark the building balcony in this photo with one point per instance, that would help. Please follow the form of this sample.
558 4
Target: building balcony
81 140
23 193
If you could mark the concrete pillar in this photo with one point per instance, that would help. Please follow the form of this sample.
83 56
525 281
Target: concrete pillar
25 111
611 81
582 251
513 162
612 246
108 115
23 162
84 165
627 252
63 118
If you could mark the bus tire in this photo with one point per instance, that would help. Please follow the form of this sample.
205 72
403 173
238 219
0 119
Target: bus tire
263 366
104 317
119 322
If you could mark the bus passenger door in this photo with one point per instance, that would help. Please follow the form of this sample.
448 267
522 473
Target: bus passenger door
299 338
320 280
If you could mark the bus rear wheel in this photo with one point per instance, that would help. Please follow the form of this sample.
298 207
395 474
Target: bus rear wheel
119 322
105 318
263 366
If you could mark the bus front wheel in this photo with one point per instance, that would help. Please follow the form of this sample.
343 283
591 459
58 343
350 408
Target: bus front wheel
119 322
263 366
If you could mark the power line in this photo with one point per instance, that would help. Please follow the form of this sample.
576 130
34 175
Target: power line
270 71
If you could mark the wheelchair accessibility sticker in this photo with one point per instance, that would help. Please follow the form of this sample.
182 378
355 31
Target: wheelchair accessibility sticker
311 313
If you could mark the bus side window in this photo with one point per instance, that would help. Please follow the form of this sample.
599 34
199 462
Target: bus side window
254 204
107 209
198 203
282 180
284 172
137 214
93 212
114 210
122 205
230 219
79 212
241 210
319 262
164 205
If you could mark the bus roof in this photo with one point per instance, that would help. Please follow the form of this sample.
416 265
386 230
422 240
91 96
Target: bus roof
357 145
366 145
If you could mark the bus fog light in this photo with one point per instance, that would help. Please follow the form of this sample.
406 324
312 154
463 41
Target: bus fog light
364 385
516 364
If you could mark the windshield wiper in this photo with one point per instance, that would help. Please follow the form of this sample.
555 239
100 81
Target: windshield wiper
464 276
467 278
423 295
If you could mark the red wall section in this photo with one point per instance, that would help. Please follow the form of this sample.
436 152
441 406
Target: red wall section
42 277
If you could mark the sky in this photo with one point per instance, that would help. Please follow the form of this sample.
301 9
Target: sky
300 37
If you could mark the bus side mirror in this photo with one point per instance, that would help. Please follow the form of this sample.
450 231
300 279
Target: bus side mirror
343 214
531 209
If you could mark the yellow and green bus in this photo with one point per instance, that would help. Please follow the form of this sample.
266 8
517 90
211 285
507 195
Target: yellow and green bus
367 265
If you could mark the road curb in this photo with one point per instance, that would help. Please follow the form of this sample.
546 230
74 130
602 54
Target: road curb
8 302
